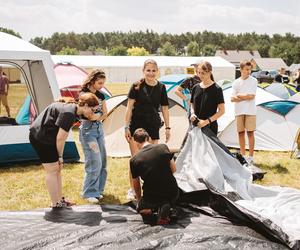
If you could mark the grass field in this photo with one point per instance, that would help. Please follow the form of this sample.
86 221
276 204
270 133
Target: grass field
22 187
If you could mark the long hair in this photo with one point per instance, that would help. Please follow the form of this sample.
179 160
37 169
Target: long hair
91 78
148 61
206 66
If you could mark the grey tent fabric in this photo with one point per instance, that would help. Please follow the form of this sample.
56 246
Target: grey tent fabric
203 164
120 227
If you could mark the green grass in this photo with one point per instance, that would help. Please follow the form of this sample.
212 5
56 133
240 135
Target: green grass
23 188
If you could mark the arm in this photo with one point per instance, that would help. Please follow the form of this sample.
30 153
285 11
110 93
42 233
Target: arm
61 138
235 99
128 116
173 166
245 97
137 188
166 116
179 93
216 116
6 85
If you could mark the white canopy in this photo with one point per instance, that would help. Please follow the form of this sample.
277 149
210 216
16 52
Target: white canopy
35 65
129 68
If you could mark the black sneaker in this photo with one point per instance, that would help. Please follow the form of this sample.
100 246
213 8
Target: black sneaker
163 217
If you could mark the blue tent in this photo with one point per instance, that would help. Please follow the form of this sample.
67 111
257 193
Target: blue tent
171 82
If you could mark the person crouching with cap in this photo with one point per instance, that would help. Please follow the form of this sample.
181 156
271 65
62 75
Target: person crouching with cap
155 166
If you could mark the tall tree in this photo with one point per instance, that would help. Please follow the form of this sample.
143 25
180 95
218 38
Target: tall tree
10 31
168 49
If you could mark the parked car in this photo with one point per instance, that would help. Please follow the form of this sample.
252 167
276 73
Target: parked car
263 76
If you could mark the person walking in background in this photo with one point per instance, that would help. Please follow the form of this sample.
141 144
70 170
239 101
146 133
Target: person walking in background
48 134
207 100
243 95
4 86
145 97
92 140
281 76
188 84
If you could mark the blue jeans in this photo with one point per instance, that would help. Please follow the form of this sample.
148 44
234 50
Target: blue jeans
91 137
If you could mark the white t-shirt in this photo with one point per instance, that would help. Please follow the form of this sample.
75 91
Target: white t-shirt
247 86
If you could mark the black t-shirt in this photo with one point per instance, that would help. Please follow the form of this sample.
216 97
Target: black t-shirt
152 164
101 98
206 100
281 78
57 115
148 99
190 82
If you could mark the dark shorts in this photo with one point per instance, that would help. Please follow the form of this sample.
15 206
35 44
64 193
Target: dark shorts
47 153
152 129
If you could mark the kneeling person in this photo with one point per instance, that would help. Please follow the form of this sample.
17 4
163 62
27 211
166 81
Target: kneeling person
154 165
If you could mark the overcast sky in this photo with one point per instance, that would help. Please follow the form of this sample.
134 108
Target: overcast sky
33 18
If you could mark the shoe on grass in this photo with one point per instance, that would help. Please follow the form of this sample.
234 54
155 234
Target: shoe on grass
93 200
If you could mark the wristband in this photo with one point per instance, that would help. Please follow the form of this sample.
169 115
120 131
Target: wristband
209 120
60 158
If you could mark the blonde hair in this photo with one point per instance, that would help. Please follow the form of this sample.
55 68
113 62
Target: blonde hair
150 61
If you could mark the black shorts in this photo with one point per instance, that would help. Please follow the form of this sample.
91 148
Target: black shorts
152 129
47 153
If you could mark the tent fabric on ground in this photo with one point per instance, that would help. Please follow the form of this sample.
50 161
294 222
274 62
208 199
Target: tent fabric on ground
202 164
70 78
261 96
282 90
276 126
36 68
113 125
120 227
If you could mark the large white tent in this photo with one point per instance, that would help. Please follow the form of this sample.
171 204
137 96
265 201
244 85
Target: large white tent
36 68
276 127
113 125
261 96
129 68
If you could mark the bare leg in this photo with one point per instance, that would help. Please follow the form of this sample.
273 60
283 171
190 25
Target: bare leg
59 184
52 181
7 110
242 143
133 151
251 142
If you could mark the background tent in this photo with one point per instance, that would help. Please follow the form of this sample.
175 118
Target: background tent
282 90
36 68
262 96
129 68
276 127
171 82
70 78
113 125
295 98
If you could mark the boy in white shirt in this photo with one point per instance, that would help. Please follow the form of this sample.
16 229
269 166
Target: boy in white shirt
243 95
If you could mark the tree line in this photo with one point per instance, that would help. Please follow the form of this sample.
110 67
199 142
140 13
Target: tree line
148 42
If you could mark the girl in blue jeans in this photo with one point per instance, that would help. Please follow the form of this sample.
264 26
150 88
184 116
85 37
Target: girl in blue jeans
92 140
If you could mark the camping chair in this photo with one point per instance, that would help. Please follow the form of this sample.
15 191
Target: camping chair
296 146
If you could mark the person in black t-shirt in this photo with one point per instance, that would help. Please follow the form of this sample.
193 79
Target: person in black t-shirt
281 77
188 84
145 97
91 136
48 134
207 101
155 166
